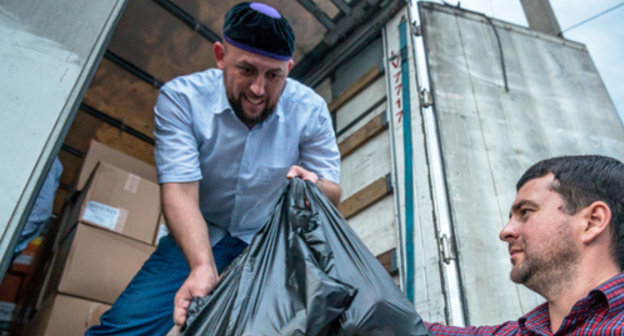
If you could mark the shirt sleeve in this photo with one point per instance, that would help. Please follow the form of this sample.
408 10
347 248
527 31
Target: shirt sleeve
318 149
176 151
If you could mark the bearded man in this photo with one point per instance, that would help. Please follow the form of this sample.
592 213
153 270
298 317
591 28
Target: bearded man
566 242
225 140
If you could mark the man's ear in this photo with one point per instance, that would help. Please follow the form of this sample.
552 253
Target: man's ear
219 51
597 217
290 65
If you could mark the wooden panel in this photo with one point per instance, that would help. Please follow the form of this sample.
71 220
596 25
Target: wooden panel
156 41
71 167
10 286
370 162
328 7
388 260
123 96
308 31
365 197
85 128
361 136
59 201
377 225
82 130
354 89
126 143
372 97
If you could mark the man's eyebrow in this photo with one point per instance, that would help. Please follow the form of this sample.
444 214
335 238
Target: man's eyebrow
517 206
245 63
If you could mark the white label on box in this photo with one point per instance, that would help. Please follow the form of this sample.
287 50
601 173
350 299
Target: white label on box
7 309
101 214
132 183
23 259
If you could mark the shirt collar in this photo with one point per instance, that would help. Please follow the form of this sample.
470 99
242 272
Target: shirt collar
223 104
612 291
536 318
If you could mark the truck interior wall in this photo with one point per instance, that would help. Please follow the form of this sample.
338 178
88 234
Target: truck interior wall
365 165
354 68
358 106
371 100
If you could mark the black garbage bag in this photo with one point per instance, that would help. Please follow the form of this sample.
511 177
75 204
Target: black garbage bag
306 272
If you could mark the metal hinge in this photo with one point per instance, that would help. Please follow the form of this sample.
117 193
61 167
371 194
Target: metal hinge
417 29
446 250
426 100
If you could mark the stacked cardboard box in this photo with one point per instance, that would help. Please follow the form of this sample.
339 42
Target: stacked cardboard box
66 315
106 233
13 283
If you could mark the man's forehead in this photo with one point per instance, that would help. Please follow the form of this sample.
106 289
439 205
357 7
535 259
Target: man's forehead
535 190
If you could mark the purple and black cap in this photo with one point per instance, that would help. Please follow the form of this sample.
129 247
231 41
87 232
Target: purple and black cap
260 29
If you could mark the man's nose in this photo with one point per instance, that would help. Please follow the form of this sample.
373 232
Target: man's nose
509 231
257 86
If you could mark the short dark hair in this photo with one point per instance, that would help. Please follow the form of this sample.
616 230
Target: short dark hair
582 180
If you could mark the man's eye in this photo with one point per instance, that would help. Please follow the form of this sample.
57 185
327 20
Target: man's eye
274 76
245 71
524 212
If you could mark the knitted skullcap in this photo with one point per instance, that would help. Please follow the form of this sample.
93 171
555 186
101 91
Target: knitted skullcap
260 29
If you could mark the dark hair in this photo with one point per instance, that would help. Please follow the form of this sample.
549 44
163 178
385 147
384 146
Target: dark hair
582 180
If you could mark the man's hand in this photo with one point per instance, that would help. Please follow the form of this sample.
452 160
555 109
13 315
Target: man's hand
200 282
300 172
329 188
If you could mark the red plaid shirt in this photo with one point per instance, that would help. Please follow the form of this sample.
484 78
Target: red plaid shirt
600 313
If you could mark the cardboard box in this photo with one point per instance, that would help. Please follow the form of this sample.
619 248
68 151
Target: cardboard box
10 286
31 292
119 201
7 311
22 263
100 152
96 264
63 315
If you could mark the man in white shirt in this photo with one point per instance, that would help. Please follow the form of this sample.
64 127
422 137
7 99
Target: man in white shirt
226 139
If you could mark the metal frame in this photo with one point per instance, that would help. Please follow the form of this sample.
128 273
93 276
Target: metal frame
189 20
318 13
133 69
330 53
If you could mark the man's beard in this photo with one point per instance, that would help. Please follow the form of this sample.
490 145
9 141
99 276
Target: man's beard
240 113
544 270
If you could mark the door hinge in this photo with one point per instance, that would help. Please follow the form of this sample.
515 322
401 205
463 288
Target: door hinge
416 29
446 250
426 100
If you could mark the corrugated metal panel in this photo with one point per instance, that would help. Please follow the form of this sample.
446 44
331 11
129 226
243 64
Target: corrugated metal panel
556 105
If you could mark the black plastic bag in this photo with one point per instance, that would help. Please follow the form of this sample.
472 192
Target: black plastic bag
306 272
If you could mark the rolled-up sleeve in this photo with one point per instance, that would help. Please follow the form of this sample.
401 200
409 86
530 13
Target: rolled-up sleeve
318 149
176 151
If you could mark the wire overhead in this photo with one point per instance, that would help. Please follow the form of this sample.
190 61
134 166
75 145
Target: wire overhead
593 17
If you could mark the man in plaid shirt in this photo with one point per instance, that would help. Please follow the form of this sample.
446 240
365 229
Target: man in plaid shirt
566 242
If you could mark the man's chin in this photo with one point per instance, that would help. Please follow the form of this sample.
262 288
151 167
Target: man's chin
253 118
520 275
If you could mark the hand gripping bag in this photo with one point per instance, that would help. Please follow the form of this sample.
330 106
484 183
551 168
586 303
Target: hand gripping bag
306 272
